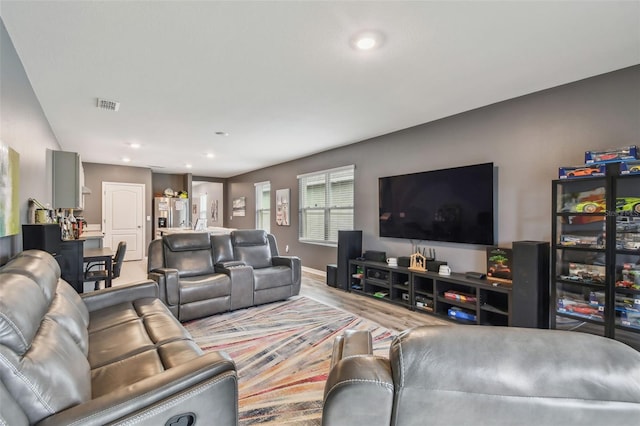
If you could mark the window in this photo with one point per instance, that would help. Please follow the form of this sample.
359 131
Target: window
326 204
263 205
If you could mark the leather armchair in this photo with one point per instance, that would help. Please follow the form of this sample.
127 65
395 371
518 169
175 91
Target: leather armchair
483 376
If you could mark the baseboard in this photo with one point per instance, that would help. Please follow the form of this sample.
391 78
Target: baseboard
318 272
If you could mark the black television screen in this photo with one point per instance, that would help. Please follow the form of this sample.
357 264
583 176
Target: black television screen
454 205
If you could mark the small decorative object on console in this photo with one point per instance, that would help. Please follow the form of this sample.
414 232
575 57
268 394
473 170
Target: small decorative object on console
499 263
611 155
581 171
418 262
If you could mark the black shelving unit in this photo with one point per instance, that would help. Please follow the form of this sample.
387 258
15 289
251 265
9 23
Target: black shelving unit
595 270
455 297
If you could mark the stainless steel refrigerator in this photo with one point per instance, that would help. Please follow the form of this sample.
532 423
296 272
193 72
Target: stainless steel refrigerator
170 213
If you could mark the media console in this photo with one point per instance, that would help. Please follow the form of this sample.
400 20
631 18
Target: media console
455 297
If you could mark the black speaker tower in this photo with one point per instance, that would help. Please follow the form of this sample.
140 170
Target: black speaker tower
531 291
349 247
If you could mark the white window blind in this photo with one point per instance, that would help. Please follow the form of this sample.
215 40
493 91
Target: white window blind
326 204
263 205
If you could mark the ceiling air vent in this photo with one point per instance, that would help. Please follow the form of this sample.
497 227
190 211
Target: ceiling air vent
108 105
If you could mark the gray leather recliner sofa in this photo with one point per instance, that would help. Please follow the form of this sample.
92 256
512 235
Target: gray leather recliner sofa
116 356
201 275
472 375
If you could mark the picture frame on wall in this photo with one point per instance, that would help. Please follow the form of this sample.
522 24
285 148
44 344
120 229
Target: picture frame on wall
239 206
283 217
9 191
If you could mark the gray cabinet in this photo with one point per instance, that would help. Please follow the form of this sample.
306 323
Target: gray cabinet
68 180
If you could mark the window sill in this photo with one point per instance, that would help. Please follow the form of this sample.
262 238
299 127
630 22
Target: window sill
319 243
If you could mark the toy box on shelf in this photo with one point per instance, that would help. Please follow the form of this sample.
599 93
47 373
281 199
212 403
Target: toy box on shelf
611 155
458 313
630 167
591 274
571 172
581 308
499 264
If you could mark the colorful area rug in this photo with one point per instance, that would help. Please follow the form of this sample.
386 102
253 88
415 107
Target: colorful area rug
282 352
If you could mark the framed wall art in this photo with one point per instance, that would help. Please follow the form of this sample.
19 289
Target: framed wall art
282 207
9 191
239 206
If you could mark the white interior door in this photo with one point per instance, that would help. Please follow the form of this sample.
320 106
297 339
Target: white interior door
123 217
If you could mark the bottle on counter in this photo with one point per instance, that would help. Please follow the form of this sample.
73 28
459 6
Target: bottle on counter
73 225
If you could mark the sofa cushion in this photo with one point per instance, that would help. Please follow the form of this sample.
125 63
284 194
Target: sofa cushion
23 305
43 274
68 310
125 352
222 248
276 276
187 241
251 247
422 361
51 376
146 324
190 263
193 289
127 371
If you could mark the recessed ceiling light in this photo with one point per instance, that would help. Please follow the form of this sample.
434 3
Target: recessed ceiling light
126 159
134 145
188 166
222 133
210 155
367 40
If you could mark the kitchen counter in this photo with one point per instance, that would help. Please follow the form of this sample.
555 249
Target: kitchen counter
93 239
212 230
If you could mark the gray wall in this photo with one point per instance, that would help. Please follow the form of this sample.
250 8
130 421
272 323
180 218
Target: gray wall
95 174
527 138
24 128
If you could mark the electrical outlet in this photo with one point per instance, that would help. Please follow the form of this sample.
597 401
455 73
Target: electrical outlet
286 248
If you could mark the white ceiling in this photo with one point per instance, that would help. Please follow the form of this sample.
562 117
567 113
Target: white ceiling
281 77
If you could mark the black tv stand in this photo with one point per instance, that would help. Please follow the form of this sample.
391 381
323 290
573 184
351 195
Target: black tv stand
455 297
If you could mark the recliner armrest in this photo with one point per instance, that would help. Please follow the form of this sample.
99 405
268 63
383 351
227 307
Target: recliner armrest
241 276
205 386
295 264
224 266
123 293
359 387
351 343
169 284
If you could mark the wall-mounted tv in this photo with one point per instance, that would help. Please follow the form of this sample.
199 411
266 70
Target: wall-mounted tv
454 205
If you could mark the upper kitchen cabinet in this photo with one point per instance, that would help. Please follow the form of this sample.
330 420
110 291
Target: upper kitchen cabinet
68 181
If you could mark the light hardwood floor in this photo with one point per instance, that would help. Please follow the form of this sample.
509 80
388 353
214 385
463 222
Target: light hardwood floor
387 315
313 286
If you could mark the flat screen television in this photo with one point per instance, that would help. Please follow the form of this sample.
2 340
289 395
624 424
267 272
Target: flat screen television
453 205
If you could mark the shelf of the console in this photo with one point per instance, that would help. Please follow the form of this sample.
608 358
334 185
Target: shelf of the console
377 282
467 305
490 308
423 293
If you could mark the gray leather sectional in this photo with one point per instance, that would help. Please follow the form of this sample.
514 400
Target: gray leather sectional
117 356
472 375
201 275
